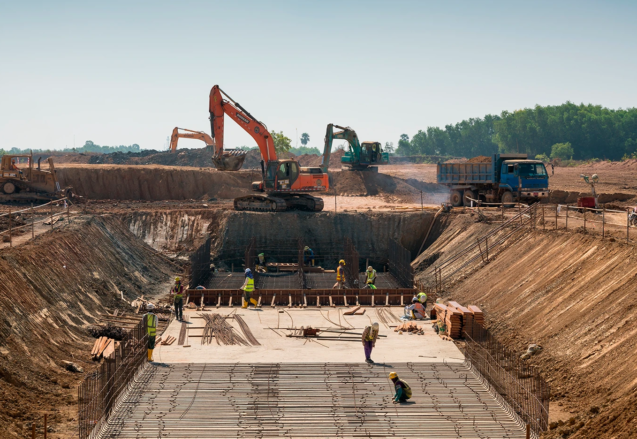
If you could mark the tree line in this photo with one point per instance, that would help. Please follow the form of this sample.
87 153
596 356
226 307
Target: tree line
89 146
582 131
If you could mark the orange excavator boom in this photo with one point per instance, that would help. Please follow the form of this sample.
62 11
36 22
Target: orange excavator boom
219 107
188 134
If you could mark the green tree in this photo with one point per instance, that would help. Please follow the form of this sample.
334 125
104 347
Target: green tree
542 157
404 147
562 151
282 144
305 138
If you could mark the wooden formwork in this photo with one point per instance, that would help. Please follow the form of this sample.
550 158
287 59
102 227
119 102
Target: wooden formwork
298 297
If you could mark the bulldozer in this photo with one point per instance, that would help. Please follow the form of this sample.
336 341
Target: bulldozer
20 180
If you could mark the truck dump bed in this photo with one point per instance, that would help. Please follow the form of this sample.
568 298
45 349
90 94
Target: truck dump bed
466 173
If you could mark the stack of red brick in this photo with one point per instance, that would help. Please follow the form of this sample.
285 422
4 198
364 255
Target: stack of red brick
458 319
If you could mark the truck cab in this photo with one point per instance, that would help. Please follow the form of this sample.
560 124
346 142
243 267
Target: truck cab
526 177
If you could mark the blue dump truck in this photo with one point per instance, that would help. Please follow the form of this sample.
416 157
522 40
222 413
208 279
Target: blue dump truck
504 178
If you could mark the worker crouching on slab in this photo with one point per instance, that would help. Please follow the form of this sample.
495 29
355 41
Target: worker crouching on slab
178 300
416 310
151 329
370 335
370 278
308 256
403 391
340 275
248 288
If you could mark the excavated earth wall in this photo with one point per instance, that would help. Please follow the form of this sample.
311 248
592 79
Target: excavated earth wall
51 290
575 295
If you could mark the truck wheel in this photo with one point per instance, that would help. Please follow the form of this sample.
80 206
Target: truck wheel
469 194
507 199
456 198
8 188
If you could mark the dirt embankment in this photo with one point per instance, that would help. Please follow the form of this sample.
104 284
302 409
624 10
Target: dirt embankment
51 290
575 295
153 183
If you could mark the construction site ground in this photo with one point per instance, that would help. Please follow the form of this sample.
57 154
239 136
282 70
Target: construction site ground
570 291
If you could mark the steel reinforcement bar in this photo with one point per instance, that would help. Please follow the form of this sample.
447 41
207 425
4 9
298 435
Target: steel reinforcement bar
100 390
519 384
299 297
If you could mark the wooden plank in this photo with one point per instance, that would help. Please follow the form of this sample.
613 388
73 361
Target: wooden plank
304 300
182 334
230 301
373 304
357 302
318 301
259 302
352 310
345 300
273 298
110 349
289 300
219 301
386 299
331 303
360 312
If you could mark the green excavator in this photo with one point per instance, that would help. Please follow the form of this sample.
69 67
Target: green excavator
360 156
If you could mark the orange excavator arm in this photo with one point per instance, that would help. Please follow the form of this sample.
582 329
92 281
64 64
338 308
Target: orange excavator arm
189 134
259 132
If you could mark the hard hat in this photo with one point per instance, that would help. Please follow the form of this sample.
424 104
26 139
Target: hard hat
342 261
393 375
248 270
370 268
177 279
150 306
414 300
261 254
306 248
375 326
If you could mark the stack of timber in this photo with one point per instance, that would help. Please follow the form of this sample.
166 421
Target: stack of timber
130 321
169 340
355 310
450 318
467 317
478 316
103 347
410 327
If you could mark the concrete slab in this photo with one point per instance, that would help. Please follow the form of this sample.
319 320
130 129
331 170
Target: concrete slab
277 348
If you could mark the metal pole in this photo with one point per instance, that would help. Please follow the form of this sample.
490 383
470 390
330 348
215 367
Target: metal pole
567 217
32 223
604 222
627 228
68 212
10 238
51 219
520 212
556 207
486 241
422 205
502 210
584 219
543 222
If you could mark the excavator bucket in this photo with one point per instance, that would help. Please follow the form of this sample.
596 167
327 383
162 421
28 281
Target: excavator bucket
229 160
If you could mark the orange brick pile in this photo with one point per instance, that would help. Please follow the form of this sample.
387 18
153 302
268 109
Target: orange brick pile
458 318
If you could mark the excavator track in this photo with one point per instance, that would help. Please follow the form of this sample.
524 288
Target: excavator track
260 203
278 203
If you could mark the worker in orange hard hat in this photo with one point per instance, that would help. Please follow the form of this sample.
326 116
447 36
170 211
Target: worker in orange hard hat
340 275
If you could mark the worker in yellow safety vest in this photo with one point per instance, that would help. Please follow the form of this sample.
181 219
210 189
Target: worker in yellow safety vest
370 276
340 275
178 299
151 329
248 288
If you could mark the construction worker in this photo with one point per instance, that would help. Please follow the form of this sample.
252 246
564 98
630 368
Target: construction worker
178 291
370 277
13 166
416 310
248 288
151 329
403 391
422 298
370 334
308 256
340 275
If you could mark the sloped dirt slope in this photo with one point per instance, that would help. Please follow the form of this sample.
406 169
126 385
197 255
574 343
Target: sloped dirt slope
50 291
576 296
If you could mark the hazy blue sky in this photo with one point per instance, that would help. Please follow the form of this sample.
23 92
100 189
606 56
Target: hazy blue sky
123 72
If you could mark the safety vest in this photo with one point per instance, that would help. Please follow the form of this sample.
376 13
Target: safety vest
151 324
422 297
249 286
371 334
406 388
340 276
179 291
371 275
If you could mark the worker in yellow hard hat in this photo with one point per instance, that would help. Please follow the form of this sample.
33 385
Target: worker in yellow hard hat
178 299
340 275
403 390
151 329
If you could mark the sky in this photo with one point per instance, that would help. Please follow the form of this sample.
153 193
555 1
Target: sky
124 72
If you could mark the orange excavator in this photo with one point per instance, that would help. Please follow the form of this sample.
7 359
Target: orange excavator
229 160
285 183
189 134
